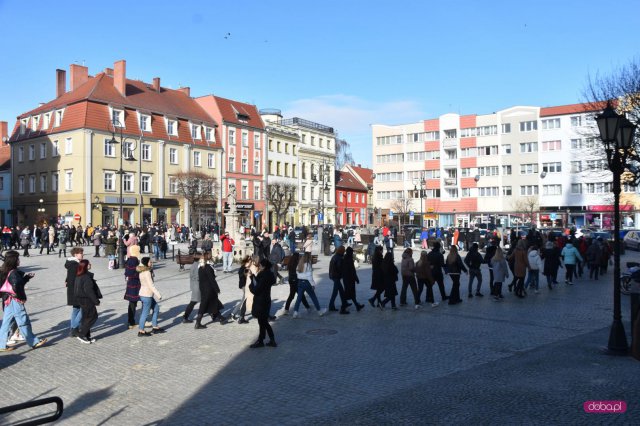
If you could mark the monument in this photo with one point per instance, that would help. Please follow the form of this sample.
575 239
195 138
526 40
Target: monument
232 225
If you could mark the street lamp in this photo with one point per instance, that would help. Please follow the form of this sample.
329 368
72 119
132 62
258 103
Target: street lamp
617 134
127 146
321 178
41 207
423 194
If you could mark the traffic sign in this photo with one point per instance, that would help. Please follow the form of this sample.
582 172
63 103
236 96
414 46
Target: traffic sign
256 215
552 216
391 214
320 216
411 214
77 217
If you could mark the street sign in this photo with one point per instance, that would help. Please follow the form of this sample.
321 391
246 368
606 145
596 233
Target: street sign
390 214
411 214
256 215
320 216
76 217
552 216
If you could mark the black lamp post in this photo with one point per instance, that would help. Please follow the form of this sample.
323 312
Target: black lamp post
126 153
617 134
423 195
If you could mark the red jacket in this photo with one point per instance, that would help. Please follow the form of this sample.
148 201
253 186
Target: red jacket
227 243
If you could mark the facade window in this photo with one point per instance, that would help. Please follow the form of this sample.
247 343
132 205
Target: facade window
109 148
146 152
506 128
145 182
57 118
256 141
245 139
32 184
303 192
552 167
46 121
20 184
488 171
208 134
245 166
245 191
340 197
55 151
1 183
464 172
294 171
576 121
286 169
173 185
109 181
20 154
506 191
196 159
256 191
127 182
43 150
466 192
596 165
551 145
43 183
32 152
54 182
576 166
256 167
506 170
68 146
173 155
313 141
232 137
528 169
68 180
528 126
211 161
506 149
484 151
529 190
389 140
576 188
451 193
528 147
172 127
468 152
232 164
552 123
195 131
117 117
279 146
145 123
599 187
551 189
348 197
278 168
491 191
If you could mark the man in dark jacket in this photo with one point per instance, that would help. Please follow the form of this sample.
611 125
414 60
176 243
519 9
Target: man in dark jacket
265 246
436 259
473 260
335 274
489 253
276 256
292 241
71 265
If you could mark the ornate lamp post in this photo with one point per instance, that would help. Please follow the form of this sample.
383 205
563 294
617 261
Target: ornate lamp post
423 195
617 134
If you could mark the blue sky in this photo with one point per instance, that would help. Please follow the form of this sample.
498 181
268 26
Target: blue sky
346 64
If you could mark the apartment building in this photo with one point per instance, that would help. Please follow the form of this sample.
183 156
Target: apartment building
63 151
6 211
458 170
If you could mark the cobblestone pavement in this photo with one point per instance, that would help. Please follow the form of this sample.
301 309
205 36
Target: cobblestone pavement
530 361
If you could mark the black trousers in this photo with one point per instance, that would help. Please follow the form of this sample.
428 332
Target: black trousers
491 280
97 251
409 282
265 328
293 290
440 281
455 288
570 270
378 296
132 313
189 309
421 285
89 317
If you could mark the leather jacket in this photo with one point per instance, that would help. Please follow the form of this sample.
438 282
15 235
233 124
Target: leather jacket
18 280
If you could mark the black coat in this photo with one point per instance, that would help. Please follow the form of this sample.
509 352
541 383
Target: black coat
86 289
349 277
390 273
551 258
261 289
377 277
436 259
209 290
71 265
18 280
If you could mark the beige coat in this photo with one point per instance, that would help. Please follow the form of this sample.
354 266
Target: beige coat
147 289
247 293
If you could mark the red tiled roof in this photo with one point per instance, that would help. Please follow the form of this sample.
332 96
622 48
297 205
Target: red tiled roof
364 173
345 180
572 109
239 113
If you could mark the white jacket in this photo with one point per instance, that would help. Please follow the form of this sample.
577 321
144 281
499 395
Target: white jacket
535 262
307 274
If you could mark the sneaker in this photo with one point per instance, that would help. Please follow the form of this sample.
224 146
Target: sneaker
322 312
84 340
435 304
20 337
40 343
417 307
243 321
296 315
11 342
478 294
92 339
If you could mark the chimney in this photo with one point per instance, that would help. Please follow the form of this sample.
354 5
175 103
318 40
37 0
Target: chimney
79 75
61 82
4 131
185 90
109 72
120 77
156 84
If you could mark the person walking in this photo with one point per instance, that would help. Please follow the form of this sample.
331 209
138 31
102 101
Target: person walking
455 267
44 240
248 264
25 241
276 257
490 250
407 270
227 252
292 269
13 301
474 260
571 256
307 247
335 274
132 292
306 284
437 265
261 288
535 264
593 255
194 285
63 238
350 278
131 242
88 295
71 265
149 296
520 266
377 277
390 277
551 256
209 291
425 278
500 272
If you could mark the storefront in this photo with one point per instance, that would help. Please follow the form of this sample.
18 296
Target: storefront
246 215
167 211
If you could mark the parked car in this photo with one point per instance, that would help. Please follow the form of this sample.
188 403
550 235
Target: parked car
632 239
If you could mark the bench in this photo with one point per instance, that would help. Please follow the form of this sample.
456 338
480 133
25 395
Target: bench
186 259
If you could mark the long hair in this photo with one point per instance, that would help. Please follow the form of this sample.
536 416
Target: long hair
293 262
499 254
83 267
306 258
11 260
453 255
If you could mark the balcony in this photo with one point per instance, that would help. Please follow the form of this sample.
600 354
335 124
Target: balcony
451 162
450 143
450 182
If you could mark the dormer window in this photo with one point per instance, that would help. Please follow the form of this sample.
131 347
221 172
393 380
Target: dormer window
58 118
172 127
117 117
208 134
195 131
35 121
23 125
145 123
46 121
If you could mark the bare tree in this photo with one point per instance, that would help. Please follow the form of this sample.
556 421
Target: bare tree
343 153
401 207
528 207
198 189
281 196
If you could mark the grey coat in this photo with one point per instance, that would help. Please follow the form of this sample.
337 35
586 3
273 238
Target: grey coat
194 283
500 270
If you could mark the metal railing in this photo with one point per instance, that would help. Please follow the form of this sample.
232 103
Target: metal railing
30 404
308 124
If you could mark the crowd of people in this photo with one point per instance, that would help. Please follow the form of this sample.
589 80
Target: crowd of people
522 263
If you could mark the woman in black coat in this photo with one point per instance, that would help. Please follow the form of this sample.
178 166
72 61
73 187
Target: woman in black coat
377 278
390 277
350 278
88 295
209 290
551 256
261 288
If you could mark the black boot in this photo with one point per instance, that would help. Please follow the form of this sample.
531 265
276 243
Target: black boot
199 324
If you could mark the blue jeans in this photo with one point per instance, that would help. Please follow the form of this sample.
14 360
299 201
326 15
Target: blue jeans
76 317
156 251
475 273
227 259
148 303
337 289
533 279
18 312
305 286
